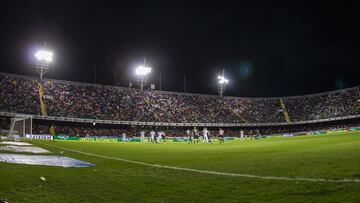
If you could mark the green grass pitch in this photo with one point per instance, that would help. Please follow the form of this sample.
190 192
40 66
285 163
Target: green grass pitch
330 156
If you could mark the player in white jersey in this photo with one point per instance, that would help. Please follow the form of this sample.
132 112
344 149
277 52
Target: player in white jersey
158 137
152 136
123 135
241 134
142 136
206 134
221 136
195 135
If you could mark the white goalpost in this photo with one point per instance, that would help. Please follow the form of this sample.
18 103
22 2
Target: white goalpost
20 126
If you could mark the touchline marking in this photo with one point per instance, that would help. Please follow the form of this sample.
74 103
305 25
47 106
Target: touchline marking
211 172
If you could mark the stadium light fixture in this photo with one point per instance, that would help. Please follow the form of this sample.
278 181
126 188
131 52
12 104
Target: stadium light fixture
222 83
223 80
43 60
44 55
143 72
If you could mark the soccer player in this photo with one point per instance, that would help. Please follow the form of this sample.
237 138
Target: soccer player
142 136
241 134
201 137
163 136
195 135
210 138
258 136
158 137
221 136
205 135
152 136
52 130
123 135
188 135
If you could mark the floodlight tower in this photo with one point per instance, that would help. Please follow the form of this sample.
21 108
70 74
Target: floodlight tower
142 72
222 83
43 61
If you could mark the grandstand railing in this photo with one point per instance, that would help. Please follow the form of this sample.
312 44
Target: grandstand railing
138 123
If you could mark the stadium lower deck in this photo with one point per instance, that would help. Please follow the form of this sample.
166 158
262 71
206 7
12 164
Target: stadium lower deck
314 168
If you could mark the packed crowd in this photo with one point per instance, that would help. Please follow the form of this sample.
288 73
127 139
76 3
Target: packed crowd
327 105
256 110
67 99
19 95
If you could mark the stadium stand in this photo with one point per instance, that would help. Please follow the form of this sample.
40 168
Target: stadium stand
21 94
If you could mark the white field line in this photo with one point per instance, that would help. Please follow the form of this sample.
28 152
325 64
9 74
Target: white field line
212 172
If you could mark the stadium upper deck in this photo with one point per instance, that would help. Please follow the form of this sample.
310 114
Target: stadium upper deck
23 94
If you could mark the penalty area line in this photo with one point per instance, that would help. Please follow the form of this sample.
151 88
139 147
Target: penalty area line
211 172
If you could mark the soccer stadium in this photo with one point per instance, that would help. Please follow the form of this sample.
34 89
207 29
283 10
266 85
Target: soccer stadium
136 140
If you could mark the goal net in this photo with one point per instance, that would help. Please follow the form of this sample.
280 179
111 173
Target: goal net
20 126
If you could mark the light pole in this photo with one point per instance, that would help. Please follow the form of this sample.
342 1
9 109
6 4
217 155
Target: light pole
142 73
222 83
44 59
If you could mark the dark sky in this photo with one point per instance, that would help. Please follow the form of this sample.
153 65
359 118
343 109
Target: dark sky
268 48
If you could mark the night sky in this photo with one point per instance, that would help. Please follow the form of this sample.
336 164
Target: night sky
268 48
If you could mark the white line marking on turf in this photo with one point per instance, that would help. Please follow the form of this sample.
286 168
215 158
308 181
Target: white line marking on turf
212 172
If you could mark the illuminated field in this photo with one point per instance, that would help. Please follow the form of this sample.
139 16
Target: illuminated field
319 159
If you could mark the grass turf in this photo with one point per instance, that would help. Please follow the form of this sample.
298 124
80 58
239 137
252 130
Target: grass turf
330 156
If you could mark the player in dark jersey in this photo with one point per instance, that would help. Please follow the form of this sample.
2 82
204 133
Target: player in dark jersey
163 136
195 135
188 136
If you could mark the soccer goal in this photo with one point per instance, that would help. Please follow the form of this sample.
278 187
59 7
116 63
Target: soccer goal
20 126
